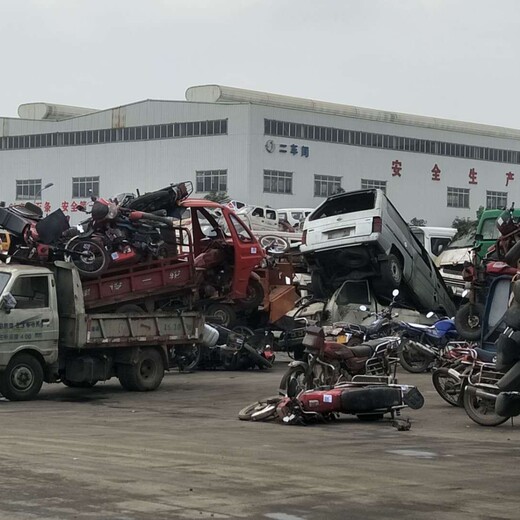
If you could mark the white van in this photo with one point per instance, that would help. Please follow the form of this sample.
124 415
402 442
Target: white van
361 234
434 239
295 216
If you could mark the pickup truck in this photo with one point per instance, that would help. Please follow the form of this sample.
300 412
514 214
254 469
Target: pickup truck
47 335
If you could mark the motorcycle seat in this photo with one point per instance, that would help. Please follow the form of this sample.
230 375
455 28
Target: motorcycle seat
343 351
485 355
22 211
362 350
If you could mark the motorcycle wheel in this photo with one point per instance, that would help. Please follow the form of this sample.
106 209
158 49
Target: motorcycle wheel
468 321
190 356
90 258
482 411
260 410
413 361
299 373
447 386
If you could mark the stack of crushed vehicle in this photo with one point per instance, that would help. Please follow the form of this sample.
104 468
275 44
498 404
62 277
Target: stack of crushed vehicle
153 281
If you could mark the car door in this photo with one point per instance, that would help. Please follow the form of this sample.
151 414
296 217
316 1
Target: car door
33 321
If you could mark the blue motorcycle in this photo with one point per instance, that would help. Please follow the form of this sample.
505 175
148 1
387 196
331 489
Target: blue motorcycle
422 345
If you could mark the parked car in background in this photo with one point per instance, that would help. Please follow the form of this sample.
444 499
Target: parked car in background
360 234
451 261
295 216
434 239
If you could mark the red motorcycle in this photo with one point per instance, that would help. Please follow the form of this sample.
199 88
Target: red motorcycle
364 396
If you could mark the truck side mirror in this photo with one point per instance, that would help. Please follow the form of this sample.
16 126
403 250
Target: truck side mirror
7 302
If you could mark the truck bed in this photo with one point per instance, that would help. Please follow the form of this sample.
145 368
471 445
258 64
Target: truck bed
122 330
135 282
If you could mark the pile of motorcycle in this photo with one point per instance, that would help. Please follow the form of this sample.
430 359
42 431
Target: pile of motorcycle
127 231
507 402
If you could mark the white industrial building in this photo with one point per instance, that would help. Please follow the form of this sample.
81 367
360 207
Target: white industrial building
261 148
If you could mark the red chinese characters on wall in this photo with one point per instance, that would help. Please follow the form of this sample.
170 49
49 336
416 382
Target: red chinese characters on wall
473 176
397 166
510 176
436 173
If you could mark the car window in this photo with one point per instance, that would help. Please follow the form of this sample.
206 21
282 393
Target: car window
4 278
349 203
354 292
258 212
31 292
297 215
489 229
282 216
243 234
439 244
270 214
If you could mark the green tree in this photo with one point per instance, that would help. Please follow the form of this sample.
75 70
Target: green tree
218 196
466 225
418 222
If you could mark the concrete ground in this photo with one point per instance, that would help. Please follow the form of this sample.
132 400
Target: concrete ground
181 453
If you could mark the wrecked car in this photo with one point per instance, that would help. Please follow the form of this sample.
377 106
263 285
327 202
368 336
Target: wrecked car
360 234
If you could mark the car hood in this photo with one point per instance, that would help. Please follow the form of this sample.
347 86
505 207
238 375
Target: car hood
454 256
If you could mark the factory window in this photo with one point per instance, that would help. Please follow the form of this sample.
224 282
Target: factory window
387 142
28 189
326 185
277 182
496 199
370 184
114 135
85 187
211 180
458 198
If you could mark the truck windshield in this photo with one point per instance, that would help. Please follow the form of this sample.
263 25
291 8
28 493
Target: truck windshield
489 230
4 278
348 203
464 241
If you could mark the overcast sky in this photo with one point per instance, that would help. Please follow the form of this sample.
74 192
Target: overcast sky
458 59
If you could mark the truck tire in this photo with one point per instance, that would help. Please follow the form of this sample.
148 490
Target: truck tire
468 321
224 312
146 375
254 295
22 379
392 271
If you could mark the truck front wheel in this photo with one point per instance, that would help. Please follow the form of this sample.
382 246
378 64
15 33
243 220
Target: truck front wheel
22 379
145 375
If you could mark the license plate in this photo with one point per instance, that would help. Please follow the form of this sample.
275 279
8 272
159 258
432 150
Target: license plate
340 233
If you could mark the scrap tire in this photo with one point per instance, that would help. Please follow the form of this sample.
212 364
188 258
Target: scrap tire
260 410
146 375
440 379
392 271
255 295
476 414
412 361
513 255
22 378
191 354
223 311
468 321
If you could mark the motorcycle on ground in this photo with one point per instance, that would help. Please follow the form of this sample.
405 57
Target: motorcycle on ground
366 397
224 348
